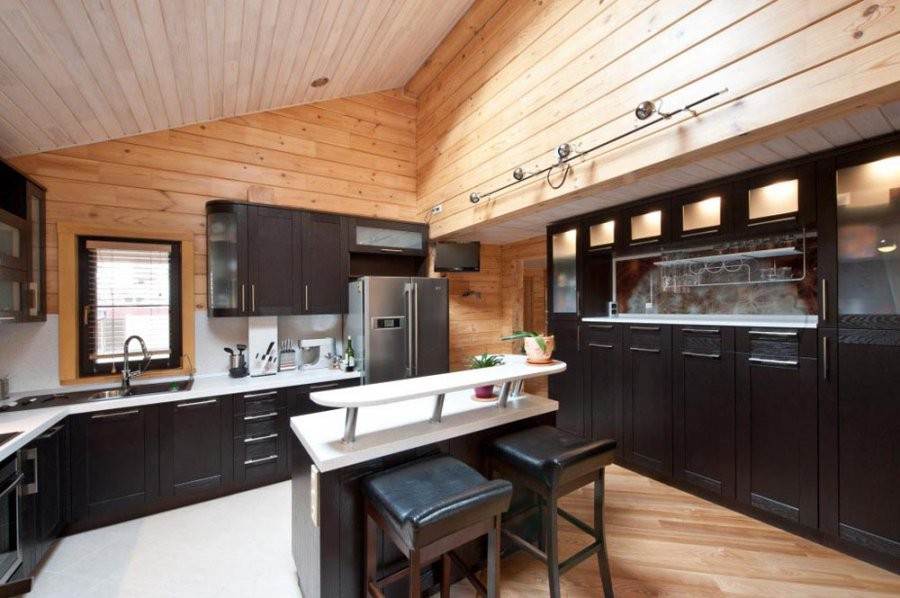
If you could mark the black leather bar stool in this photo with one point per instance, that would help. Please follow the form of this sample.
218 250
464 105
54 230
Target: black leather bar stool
428 508
552 463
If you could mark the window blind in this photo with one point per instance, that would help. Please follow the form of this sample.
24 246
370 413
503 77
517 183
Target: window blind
128 293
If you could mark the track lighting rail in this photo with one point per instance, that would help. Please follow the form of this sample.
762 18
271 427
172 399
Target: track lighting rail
565 154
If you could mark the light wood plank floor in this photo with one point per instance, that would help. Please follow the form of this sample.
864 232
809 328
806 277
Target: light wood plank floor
665 542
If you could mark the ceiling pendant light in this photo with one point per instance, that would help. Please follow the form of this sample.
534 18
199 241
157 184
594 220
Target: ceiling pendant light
885 246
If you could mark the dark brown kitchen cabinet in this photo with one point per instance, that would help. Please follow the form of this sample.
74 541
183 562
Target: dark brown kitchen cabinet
273 258
574 412
602 376
226 259
647 396
704 408
260 442
322 281
702 214
777 425
645 226
114 464
563 294
195 444
35 291
366 235
779 199
22 248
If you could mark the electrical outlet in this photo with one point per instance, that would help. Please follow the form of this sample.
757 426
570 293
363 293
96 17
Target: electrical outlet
437 209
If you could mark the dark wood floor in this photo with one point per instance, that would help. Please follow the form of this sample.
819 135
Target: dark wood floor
665 542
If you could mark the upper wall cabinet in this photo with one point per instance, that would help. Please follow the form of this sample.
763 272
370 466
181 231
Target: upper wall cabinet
22 248
702 214
226 251
645 226
322 284
385 237
776 200
562 271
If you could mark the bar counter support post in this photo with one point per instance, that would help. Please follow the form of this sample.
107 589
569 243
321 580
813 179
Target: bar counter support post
438 409
350 425
504 393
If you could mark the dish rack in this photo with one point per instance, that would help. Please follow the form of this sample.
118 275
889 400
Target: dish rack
741 267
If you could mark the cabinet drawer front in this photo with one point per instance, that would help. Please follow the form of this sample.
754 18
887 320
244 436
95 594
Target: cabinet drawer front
645 338
260 460
702 342
601 333
784 344
259 403
257 425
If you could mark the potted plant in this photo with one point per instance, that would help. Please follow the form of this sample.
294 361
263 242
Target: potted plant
538 347
485 360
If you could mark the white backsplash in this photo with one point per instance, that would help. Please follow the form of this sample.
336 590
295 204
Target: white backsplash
29 352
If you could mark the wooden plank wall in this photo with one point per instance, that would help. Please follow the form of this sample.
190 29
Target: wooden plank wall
353 155
515 78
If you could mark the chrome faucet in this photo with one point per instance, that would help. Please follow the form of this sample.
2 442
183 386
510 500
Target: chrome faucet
127 374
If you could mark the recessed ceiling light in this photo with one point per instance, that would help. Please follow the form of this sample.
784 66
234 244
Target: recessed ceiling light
885 246
320 82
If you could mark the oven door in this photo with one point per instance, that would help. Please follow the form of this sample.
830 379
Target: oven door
10 546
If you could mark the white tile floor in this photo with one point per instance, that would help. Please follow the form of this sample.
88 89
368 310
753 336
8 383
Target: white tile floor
239 545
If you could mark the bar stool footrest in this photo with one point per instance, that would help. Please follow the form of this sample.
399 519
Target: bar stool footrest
584 553
470 575
576 522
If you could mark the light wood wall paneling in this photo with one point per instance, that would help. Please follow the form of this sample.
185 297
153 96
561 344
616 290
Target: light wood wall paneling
564 82
319 158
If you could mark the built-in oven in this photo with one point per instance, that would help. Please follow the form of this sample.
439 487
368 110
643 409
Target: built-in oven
10 518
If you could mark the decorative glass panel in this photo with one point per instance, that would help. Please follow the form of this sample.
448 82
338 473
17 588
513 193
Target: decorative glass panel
564 271
388 237
773 200
603 233
224 286
35 211
706 213
10 241
868 213
646 226
10 295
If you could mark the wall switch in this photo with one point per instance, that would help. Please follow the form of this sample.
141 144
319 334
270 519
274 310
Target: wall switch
437 209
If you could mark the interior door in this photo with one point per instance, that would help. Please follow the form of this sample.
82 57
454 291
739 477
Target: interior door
387 329
431 316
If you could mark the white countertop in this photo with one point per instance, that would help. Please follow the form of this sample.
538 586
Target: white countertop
398 427
710 320
514 368
34 422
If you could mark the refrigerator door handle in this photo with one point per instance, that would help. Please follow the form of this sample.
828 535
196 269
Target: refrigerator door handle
415 327
408 291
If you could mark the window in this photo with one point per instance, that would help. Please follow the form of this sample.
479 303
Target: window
128 287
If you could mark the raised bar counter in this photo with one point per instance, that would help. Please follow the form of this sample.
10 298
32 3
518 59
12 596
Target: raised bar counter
392 423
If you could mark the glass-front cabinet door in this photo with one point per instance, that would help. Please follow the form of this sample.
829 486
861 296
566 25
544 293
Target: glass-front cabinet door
776 200
36 292
868 234
13 237
702 213
226 230
11 291
377 236
563 270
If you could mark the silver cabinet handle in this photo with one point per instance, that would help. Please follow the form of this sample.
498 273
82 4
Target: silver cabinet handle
703 355
390 250
409 330
116 414
253 298
773 221
773 361
260 460
7 318
196 403
773 333
600 346
824 302
32 488
250 418
260 438
258 395
416 326
645 328
825 358
306 297
51 433
600 326
243 297
699 233
701 330
324 386
643 350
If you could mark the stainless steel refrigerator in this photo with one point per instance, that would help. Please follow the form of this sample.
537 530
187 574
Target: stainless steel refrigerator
399 327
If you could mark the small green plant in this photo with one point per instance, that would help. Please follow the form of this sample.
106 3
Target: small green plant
520 334
485 360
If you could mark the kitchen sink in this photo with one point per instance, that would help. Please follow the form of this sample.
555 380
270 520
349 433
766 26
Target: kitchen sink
103 394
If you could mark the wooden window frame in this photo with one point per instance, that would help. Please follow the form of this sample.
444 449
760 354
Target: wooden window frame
68 233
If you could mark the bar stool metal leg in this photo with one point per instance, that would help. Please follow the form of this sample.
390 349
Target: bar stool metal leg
551 534
600 535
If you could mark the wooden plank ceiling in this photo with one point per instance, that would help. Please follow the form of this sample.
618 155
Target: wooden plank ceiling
858 125
80 71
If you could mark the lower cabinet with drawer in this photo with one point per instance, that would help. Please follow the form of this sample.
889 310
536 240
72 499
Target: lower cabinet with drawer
260 438
777 458
195 448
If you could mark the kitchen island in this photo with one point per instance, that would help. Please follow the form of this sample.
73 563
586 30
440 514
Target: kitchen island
376 427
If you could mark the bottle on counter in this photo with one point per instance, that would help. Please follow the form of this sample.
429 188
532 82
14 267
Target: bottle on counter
349 356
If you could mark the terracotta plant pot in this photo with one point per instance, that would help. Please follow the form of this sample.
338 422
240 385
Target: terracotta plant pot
484 392
534 352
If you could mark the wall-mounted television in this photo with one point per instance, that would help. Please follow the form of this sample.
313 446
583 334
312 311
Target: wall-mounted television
457 257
